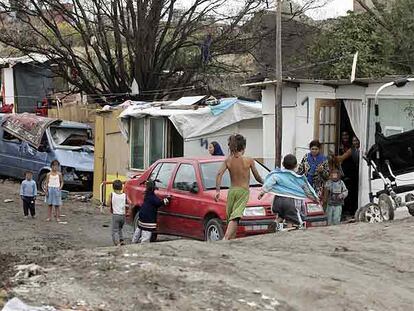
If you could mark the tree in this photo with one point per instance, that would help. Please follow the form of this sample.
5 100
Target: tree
396 19
383 36
332 52
101 46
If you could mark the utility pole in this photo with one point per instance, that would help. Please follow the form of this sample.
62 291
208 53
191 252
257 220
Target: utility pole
279 83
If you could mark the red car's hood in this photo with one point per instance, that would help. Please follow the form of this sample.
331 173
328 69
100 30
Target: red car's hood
253 200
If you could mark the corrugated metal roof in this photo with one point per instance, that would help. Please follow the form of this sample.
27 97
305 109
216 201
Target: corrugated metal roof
38 58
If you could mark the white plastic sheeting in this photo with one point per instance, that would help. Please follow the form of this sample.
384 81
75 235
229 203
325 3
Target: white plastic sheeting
203 122
194 123
38 58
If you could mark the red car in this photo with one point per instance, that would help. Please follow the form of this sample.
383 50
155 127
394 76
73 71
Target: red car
193 212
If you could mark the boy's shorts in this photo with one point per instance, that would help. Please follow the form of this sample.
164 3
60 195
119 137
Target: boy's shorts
237 199
286 209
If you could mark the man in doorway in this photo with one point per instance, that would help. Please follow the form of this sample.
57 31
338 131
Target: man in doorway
345 142
239 167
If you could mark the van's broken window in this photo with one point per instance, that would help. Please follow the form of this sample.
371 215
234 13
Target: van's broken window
10 137
73 137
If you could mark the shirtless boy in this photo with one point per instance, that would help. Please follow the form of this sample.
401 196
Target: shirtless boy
239 167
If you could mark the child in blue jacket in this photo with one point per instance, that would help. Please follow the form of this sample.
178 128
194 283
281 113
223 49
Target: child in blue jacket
290 190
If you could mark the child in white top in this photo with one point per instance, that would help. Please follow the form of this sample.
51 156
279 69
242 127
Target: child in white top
54 185
118 205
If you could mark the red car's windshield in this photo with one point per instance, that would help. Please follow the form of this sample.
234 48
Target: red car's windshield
209 172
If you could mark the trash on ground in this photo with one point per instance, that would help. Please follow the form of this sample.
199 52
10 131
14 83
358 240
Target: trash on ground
15 304
28 271
8 201
84 198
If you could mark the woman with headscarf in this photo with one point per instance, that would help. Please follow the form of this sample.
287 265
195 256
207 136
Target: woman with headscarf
214 149
315 167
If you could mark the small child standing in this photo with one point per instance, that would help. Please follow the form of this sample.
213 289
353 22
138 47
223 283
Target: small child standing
290 190
28 193
334 196
54 185
147 217
118 205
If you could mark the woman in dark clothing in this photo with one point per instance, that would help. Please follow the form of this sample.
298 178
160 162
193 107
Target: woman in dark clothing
315 167
214 149
147 218
351 160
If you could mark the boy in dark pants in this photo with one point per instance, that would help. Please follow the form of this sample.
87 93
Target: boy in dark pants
28 193
290 190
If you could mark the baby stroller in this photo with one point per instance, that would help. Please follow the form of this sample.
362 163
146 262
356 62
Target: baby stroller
387 159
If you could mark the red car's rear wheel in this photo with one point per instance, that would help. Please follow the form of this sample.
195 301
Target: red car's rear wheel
154 235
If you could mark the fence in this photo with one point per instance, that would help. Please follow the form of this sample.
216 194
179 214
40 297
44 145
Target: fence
76 113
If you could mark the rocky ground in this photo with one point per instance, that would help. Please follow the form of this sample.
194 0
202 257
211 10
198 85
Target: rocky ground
348 267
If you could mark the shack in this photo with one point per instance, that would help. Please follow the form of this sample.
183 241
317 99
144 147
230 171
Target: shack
325 109
25 81
127 141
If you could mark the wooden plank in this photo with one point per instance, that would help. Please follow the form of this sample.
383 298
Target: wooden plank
99 156
76 113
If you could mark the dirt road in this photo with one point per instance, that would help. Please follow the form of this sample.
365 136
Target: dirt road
24 239
348 267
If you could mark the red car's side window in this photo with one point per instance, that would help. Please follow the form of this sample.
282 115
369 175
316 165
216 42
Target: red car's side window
185 179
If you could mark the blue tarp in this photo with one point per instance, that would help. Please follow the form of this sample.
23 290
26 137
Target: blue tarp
225 104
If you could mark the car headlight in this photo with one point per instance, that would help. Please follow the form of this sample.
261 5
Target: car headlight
254 211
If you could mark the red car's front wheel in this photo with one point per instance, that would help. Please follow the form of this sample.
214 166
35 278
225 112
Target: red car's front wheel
213 230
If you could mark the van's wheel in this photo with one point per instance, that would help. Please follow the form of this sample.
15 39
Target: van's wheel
41 181
213 230
371 213
386 207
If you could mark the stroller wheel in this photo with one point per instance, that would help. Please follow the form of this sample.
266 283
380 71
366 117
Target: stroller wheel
372 213
386 207
409 198
360 214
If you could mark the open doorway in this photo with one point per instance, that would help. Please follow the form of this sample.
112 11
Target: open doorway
334 130
348 146
175 142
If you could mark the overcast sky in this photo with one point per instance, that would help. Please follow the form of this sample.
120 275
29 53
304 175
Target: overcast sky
333 9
